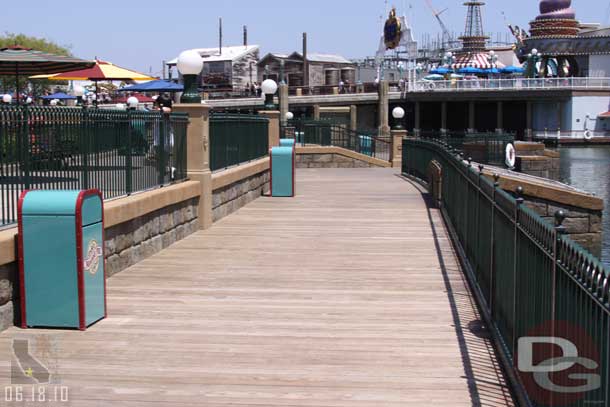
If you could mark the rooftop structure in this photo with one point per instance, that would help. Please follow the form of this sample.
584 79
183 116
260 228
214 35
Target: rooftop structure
474 37
568 47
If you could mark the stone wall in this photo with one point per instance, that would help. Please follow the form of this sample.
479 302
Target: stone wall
584 226
133 241
230 198
329 161
8 294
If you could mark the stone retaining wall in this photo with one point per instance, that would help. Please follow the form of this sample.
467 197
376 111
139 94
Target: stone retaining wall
330 161
8 294
133 241
230 198
584 226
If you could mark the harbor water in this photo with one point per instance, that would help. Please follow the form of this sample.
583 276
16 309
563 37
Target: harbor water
588 169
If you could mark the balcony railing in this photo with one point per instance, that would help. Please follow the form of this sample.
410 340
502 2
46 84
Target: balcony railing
514 84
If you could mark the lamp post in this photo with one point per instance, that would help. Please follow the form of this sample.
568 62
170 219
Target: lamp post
79 91
269 87
398 114
532 60
449 59
132 102
190 65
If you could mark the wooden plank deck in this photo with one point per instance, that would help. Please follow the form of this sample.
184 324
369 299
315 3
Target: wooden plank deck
348 295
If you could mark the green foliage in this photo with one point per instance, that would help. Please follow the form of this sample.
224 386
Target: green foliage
38 87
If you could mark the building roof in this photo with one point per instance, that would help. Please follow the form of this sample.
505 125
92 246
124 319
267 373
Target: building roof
232 53
328 58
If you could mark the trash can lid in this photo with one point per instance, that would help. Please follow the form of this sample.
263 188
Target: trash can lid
52 202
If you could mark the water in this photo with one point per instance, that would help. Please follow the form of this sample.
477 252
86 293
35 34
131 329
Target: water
588 169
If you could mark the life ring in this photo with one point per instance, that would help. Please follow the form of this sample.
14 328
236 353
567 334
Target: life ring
511 156
588 135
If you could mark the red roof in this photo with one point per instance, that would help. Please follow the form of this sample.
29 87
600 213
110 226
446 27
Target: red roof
604 115
141 98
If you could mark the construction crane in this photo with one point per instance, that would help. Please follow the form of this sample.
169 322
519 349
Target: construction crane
447 37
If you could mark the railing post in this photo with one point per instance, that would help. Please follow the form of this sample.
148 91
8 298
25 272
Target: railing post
86 147
274 126
492 256
164 128
128 154
396 158
519 202
198 156
25 143
560 230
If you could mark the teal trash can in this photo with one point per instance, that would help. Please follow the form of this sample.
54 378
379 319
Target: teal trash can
61 258
282 171
286 142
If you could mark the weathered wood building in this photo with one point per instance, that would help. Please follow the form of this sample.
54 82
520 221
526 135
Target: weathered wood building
230 68
320 69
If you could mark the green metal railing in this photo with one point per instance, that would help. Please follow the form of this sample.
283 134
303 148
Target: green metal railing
485 148
332 133
236 139
118 152
532 281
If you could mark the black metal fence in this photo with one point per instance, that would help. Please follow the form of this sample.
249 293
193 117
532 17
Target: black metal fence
330 133
118 152
548 298
236 139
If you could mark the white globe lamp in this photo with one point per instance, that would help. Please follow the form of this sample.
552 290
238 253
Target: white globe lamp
53 102
289 115
190 65
28 100
269 87
121 106
78 91
398 114
132 102
7 98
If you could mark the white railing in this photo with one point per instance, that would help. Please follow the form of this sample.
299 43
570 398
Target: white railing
460 85
574 134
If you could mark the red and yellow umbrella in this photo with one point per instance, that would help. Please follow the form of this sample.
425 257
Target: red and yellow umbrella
101 71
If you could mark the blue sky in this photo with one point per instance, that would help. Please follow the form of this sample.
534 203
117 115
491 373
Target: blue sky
140 34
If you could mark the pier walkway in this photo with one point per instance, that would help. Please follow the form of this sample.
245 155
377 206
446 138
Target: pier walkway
348 295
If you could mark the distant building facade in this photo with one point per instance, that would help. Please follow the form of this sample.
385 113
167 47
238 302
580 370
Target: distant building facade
230 69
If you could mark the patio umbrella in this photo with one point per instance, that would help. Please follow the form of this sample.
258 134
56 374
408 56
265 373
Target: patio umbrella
23 61
441 71
59 96
154 86
512 69
434 77
470 70
101 71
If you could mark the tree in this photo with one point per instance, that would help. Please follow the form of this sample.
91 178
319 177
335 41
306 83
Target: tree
38 87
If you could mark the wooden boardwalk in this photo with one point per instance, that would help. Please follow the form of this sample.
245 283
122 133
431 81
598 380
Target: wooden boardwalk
348 295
